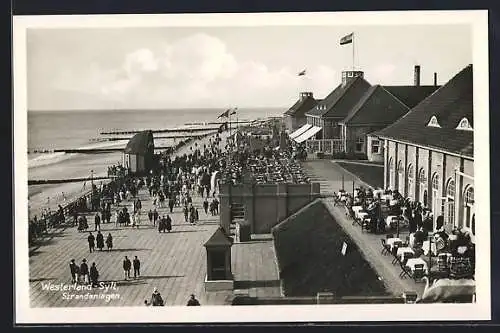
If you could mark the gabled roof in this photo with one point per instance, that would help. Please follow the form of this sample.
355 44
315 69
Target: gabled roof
219 239
449 104
301 107
411 95
338 103
140 144
376 107
308 248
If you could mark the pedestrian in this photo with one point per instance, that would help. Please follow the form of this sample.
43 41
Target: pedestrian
109 242
171 203
205 205
97 221
155 216
186 213
126 267
150 216
196 215
94 275
74 269
91 240
84 271
156 299
117 218
193 301
100 241
168 223
137 267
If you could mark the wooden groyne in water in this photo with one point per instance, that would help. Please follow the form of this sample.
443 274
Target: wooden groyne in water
155 138
166 130
85 150
67 180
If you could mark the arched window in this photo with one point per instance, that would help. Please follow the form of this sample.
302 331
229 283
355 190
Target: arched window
433 122
421 176
435 182
410 171
401 178
450 189
400 167
391 164
464 125
469 196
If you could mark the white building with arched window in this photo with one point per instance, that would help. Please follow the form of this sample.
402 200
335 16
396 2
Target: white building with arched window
432 147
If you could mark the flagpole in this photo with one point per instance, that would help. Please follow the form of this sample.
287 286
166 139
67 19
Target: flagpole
353 52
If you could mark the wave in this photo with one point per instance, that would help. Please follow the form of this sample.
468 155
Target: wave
49 158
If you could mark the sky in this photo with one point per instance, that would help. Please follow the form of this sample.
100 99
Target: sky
219 67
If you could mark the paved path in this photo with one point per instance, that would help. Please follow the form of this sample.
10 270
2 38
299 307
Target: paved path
329 176
175 262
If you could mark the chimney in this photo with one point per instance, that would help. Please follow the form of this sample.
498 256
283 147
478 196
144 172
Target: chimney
304 95
416 76
435 79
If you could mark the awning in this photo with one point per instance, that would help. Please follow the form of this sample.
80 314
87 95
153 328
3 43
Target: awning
308 134
300 131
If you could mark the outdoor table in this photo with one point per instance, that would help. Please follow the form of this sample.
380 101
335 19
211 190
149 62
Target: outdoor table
415 261
362 215
425 247
403 250
357 209
392 219
386 197
391 241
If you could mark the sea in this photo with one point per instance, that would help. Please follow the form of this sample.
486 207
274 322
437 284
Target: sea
72 129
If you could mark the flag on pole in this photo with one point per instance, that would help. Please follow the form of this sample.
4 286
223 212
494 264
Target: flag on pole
224 114
346 39
234 111
302 73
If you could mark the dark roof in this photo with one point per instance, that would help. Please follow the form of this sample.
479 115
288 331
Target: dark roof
411 95
219 239
140 144
301 107
308 251
341 99
449 104
376 107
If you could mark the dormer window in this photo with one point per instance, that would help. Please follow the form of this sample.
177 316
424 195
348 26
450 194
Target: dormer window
464 125
433 122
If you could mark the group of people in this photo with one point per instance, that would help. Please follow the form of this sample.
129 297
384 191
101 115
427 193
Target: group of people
157 300
98 241
83 274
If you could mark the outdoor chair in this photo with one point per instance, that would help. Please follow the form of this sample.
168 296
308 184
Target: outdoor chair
385 247
405 272
394 253
418 272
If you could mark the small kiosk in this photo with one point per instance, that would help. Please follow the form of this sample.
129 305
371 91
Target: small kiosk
219 275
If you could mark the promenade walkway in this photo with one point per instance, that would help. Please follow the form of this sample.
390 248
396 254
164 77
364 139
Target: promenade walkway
329 175
174 262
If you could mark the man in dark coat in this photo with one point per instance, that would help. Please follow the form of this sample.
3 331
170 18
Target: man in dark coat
186 213
137 267
155 216
97 221
74 269
193 301
171 203
168 223
84 271
94 275
91 240
100 241
150 216
205 205
109 242
127 265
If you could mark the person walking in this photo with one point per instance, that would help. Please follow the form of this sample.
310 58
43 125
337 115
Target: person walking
109 242
91 240
127 265
84 270
205 205
196 215
150 216
74 269
94 275
168 223
137 267
155 216
193 301
100 241
186 213
97 221
171 203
